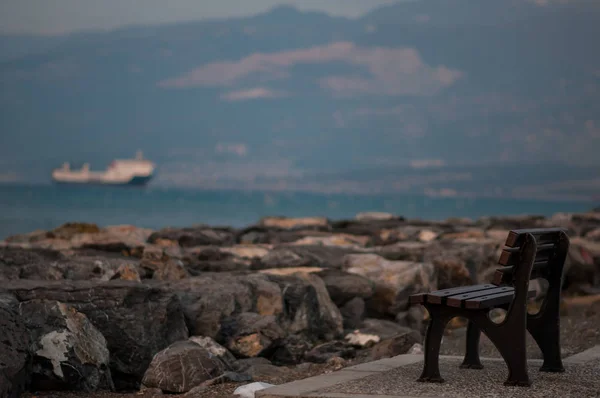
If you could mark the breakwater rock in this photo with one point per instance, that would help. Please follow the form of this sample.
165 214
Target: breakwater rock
122 308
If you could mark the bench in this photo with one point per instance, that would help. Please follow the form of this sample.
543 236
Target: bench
529 254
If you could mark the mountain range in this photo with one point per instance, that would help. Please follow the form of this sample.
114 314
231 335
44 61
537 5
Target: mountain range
444 97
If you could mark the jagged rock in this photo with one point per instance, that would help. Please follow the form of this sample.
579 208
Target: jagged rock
511 222
412 318
215 349
404 251
467 233
353 313
308 307
463 263
209 298
294 223
593 235
182 366
249 334
41 264
214 259
136 320
382 328
343 286
300 303
117 238
69 352
173 269
394 281
290 350
257 234
336 240
367 228
396 345
302 256
200 235
582 264
323 352
241 365
15 359
69 230
126 272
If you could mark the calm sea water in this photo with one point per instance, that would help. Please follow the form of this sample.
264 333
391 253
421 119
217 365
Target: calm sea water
27 208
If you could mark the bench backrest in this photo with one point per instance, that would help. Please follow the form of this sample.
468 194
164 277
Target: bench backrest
551 246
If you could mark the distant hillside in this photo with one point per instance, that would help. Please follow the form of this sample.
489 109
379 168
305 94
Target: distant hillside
286 96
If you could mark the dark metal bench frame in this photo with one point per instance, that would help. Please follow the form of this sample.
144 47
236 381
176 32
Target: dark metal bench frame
530 254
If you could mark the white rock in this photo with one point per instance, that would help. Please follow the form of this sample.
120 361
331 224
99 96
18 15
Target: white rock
362 339
374 216
416 349
248 390
427 235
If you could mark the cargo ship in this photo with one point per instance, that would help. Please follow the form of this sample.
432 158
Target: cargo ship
121 172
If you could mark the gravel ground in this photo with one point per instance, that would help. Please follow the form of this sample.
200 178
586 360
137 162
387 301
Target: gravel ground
580 330
578 381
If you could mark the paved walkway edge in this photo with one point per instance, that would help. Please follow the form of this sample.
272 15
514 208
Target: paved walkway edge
311 386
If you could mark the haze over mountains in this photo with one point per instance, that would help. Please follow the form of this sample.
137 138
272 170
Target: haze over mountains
446 97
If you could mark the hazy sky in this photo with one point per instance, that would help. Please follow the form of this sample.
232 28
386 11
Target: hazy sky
61 16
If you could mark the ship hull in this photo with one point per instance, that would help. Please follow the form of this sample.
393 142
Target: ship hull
135 182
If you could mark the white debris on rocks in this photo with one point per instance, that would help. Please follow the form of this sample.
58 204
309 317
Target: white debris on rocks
248 390
362 339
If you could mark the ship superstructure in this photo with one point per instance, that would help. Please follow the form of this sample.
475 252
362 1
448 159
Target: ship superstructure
137 171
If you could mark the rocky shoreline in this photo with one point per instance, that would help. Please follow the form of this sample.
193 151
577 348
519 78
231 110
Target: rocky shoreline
178 310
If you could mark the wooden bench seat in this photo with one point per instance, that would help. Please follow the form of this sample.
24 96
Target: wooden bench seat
469 297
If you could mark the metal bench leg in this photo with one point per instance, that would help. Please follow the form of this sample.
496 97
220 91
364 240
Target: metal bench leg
433 340
544 327
471 360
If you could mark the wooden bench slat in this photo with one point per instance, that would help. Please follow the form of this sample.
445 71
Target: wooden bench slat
542 235
504 275
439 296
493 300
418 298
511 256
459 299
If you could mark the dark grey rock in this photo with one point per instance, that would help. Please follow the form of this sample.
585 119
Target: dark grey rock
291 256
182 366
201 235
343 286
353 313
249 334
15 360
69 353
323 352
136 320
396 345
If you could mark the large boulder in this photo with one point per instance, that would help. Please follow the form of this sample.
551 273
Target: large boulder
344 286
69 352
299 303
292 256
15 360
307 307
249 334
394 281
136 320
295 223
582 266
463 262
201 235
42 264
182 366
